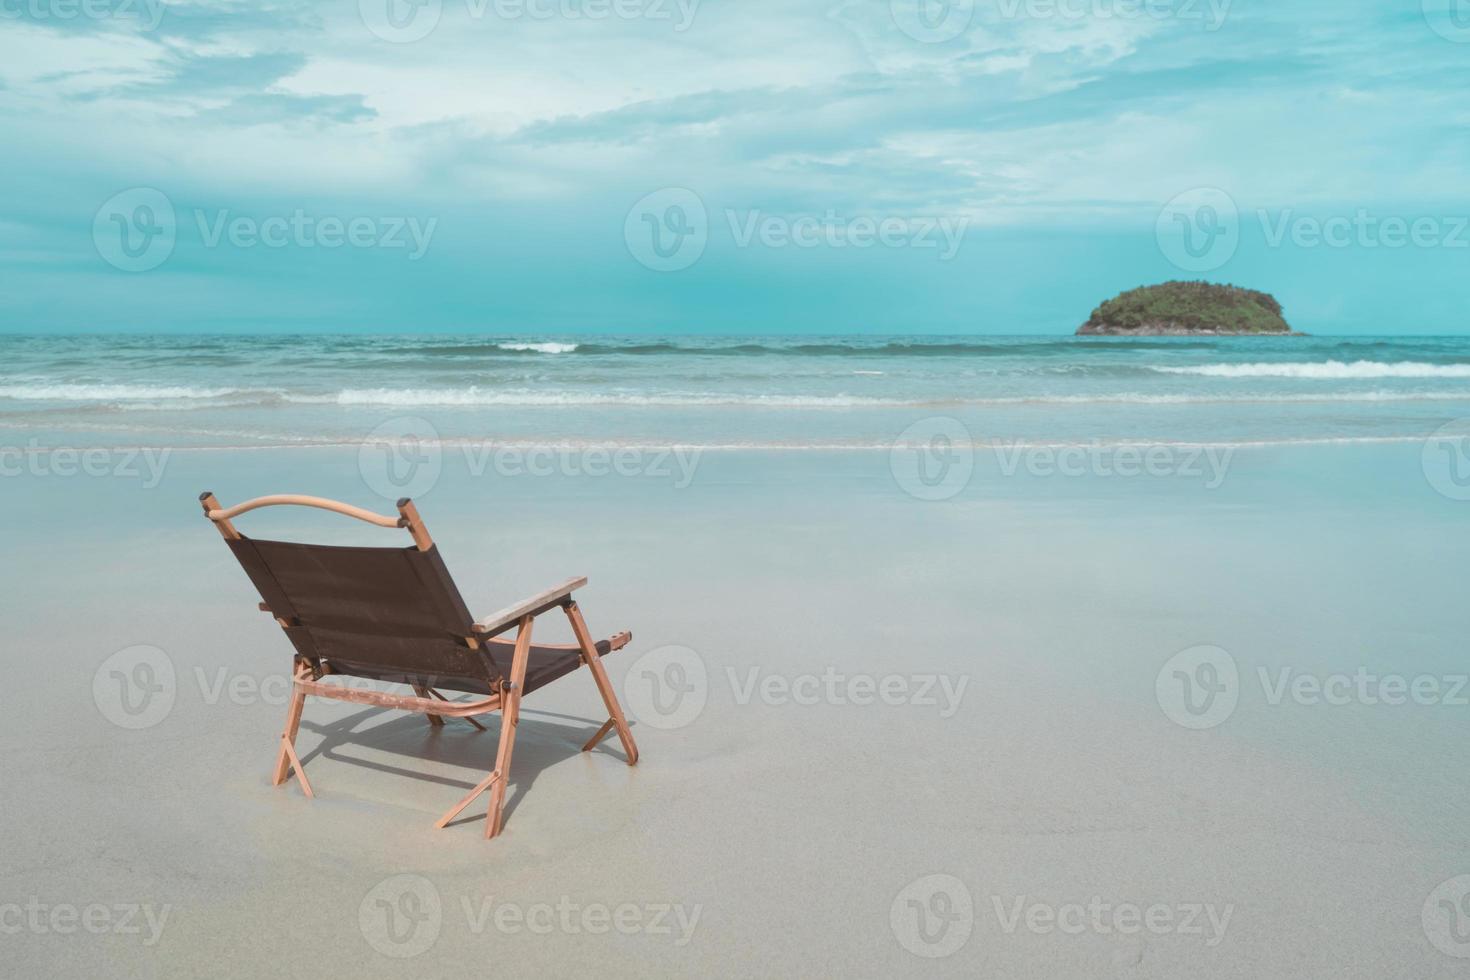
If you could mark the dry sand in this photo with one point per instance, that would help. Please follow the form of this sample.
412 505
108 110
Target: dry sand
1042 817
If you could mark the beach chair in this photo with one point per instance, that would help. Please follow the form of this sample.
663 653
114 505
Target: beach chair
394 615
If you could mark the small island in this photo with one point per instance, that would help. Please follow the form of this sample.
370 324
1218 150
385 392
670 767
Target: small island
1188 309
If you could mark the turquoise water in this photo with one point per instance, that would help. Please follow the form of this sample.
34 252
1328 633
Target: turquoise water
811 392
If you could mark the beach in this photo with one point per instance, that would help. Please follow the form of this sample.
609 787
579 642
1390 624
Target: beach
654 488
1085 695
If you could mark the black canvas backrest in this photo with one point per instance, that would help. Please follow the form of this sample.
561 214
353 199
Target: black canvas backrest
384 613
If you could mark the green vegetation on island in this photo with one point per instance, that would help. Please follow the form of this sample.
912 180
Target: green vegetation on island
1179 309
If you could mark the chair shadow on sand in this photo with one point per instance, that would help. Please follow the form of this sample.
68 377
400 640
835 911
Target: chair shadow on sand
540 744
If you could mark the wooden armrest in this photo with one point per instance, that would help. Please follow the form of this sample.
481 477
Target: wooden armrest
534 606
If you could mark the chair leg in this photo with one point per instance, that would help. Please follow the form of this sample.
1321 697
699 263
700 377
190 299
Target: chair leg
604 686
286 758
607 726
494 816
434 720
510 716
466 717
459 807
290 751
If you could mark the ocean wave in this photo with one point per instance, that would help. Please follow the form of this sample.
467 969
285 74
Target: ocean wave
148 398
1248 399
109 392
1324 370
856 347
815 348
475 397
244 398
549 347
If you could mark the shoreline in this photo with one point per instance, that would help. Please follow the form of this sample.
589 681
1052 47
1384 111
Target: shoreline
991 445
1088 330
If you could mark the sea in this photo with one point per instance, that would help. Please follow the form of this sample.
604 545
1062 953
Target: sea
726 393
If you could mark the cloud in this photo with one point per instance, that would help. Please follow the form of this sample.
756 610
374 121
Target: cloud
278 107
1025 121
191 75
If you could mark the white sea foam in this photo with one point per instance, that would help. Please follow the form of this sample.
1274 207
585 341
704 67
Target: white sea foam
469 397
479 397
164 398
1134 398
549 347
1325 370
108 393
224 440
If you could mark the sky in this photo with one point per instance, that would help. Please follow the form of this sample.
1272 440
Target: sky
726 166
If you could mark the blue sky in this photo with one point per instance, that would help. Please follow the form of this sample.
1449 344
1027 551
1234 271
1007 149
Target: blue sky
726 166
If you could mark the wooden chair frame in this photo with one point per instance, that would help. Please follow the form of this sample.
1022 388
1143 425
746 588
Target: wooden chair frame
427 701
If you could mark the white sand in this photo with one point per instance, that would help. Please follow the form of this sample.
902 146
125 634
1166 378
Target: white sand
762 838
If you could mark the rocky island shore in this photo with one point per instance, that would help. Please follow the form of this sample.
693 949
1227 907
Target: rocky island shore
1188 309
